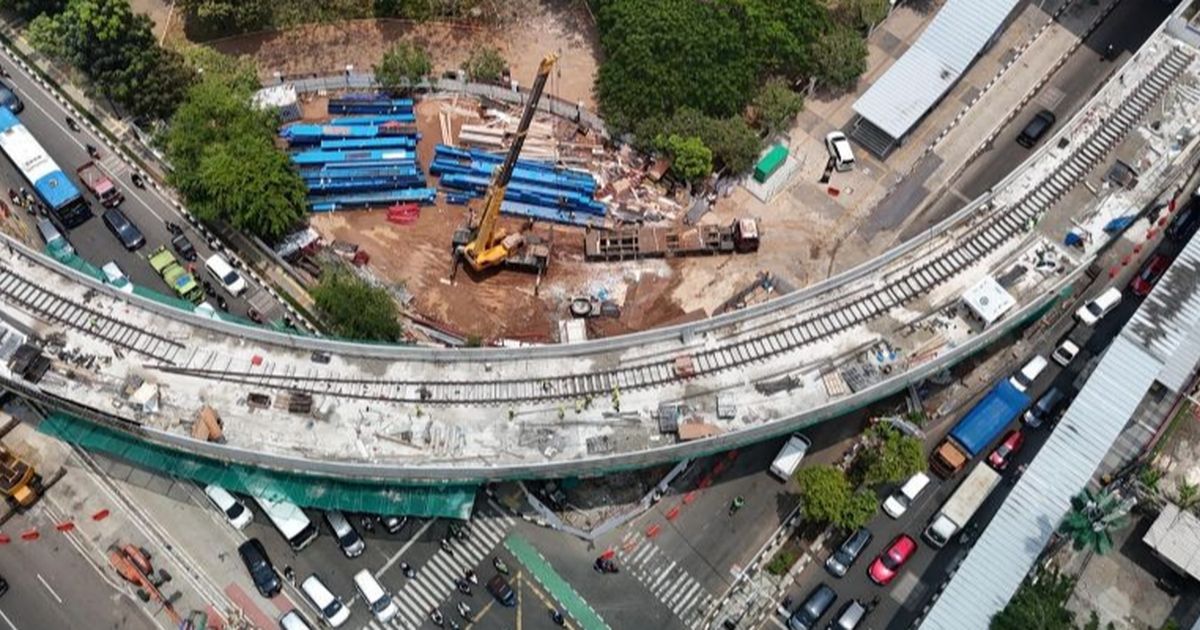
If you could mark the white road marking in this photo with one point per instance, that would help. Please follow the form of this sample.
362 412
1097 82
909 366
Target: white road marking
8 621
395 557
47 585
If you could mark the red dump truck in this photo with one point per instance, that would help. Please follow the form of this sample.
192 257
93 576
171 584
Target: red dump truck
100 185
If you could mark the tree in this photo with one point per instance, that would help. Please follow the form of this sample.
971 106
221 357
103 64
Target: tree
828 498
239 74
839 58
690 159
1093 517
226 163
403 66
893 456
30 9
485 64
863 14
1187 495
226 16
117 51
777 104
1040 604
734 145
660 56
251 185
426 9
355 309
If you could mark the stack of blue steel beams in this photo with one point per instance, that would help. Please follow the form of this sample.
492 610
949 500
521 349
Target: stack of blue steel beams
538 190
365 160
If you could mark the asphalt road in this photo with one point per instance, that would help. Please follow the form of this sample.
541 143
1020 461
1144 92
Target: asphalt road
52 585
901 602
148 209
1129 25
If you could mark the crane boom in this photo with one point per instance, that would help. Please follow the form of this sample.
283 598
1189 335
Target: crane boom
487 248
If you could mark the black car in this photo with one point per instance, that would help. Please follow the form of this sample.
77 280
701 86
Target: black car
183 247
9 99
1041 123
124 229
261 570
1185 221
502 590
849 551
814 607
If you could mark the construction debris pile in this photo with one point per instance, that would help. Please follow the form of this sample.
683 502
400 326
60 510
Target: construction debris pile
365 159
539 190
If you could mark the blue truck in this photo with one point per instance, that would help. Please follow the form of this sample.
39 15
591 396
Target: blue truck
979 428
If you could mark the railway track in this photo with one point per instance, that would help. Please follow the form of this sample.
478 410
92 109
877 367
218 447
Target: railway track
27 295
998 227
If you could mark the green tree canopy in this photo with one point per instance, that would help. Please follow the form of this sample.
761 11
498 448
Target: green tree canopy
117 51
734 145
485 64
226 163
892 457
239 73
829 498
777 104
1092 519
356 310
403 66
690 159
30 9
226 16
839 58
1040 604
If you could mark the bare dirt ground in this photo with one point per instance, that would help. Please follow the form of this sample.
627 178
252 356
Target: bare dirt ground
523 38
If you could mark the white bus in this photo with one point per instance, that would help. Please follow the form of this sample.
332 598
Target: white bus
290 521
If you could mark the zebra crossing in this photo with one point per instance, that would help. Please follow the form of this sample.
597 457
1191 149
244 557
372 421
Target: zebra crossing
435 580
662 576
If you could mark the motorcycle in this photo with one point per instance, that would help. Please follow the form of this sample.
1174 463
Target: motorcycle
464 610
445 544
499 564
92 151
463 587
222 304
174 228
137 180
605 566
368 524
557 617
436 617
454 625
72 124
736 505
470 575
407 570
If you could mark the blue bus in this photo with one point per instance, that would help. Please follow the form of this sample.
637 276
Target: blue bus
67 206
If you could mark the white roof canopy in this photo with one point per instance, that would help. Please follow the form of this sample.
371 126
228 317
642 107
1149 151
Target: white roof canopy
988 300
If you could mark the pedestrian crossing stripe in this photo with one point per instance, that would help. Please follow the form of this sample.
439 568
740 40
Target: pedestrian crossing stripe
670 583
435 580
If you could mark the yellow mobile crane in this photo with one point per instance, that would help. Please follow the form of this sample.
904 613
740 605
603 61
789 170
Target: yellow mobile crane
482 243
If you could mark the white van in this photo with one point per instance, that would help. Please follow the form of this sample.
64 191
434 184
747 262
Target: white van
332 608
839 151
378 599
235 511
1094 311
292 620
220 270
896 504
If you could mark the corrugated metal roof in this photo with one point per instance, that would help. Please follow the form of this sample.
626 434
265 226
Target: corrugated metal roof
1006 551
1167 325
1175 535
913 84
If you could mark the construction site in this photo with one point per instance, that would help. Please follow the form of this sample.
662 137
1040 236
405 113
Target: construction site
625 247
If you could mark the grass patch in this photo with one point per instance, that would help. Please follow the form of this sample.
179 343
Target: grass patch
785 558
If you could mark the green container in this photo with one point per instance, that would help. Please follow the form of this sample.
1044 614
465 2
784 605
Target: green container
770 163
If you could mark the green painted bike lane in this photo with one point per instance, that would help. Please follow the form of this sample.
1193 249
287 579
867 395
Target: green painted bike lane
554 583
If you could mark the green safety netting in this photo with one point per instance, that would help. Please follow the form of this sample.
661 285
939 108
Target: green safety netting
326 493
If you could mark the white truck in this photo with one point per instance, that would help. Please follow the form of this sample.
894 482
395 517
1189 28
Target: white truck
788 459
962 505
